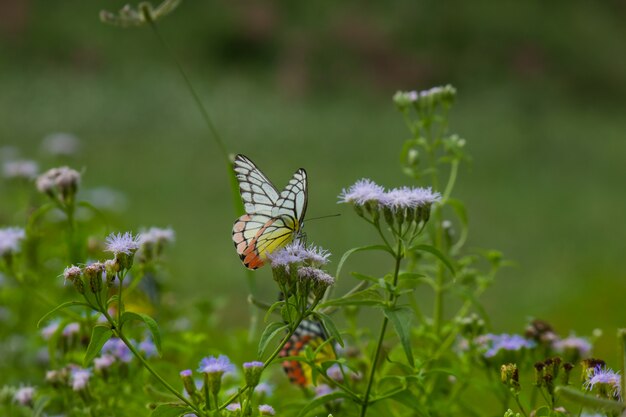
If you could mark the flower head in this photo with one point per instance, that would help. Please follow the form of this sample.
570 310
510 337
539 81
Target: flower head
252 372
71 329
148 348
577 347
103 362
116 347
266 410
10 240
71 273
409 198
24 396
79 378
122 243
495 343
156 235
297 252
49 330
362 192
607 382
264 389
316 275
233 407
63 180
60 144
20 169
216 365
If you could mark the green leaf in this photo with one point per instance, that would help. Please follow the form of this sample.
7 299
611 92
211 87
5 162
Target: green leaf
346 255
60 307
100 334
400 318
321 401
169 410
149 321
590 401
330 327
272 308
269 333
434 251
370 297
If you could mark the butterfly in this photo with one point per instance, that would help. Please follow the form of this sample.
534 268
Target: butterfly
309 333
272 220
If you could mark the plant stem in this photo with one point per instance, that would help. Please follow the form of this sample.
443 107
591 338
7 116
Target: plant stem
117 331
268 361
621 333
379 344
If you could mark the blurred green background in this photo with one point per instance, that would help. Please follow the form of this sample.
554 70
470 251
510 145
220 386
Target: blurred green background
309 84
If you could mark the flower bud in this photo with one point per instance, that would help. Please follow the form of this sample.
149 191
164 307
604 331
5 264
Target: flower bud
252 372
79 285
190 386
93 274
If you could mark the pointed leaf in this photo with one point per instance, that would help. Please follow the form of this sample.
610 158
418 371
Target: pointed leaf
400 318
346 255
330 327
437 253
60 307
590 401
169 410
99 335
149 322
369 296
269 333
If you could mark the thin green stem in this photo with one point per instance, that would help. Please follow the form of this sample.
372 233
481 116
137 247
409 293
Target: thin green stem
454 170
519 405
268 361
621 334
118 332
192 90
383 328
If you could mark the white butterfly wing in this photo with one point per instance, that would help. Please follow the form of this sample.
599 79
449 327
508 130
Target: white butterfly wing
257 192
293 199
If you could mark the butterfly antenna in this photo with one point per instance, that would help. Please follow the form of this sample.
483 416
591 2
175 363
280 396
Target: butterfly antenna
324 217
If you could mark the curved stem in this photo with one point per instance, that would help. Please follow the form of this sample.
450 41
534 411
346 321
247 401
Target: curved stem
146 365
383 329
194 94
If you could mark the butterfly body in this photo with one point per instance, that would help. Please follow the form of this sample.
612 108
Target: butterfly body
272 220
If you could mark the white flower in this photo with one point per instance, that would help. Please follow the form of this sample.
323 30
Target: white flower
316 275
21 169
156 235
24 395
409 197
122 243
60 144
361 192
102 362
80 378
297 252
10 239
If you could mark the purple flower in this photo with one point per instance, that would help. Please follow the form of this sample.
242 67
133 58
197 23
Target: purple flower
316 275
122 243
212 365
50 329
322 389
186 373
409 197
71 329
254 364
116 347
10 240
581 346
148 348
297 252
24 395
264 389
79 378
103 362
606 381
361 192
266 410
233 407
494 343
21 169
